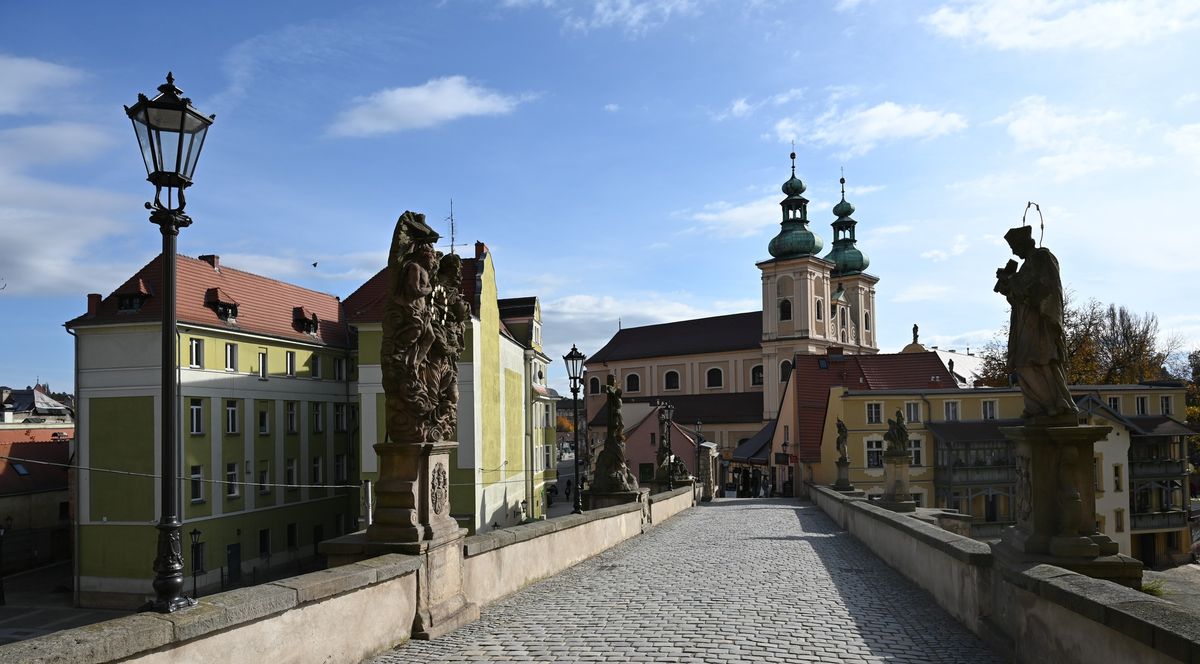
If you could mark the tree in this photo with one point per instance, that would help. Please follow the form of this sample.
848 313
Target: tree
564 424
1105 346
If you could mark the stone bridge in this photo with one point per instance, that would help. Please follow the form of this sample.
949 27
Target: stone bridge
837 579
729 581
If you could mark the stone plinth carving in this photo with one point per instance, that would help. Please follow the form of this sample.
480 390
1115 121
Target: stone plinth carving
612 474
897 462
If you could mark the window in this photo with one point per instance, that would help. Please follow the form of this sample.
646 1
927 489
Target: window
912 411
875 453
1164 404
756 375
786 437
1143 405
264 423
339 417
1097 470
633 383
951 408
1119 518
339 467
547 456
231 480
195 353
231 357
914 447
671 380
866 320
196 477
594 385
290 472
1114 404
289 363
198 557
315 372
820 309
290 410
293 540
231 416
645 472
264 543
318 470
339 368
318 410
264 476
989 409
785 370
652 443
785 310
262 364
714 378
1118 473
875 413
196 412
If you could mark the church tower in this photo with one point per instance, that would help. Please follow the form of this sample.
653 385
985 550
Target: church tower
811 303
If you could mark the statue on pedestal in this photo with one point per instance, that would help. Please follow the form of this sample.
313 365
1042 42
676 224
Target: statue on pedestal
1037 347
612 471
842 435
897 435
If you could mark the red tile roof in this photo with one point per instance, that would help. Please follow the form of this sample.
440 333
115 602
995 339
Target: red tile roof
265 305
814 375
21 434
365 305
36 476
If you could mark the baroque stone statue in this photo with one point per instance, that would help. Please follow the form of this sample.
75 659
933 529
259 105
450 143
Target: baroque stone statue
424 324
612 470
842 435
1036 341
897 435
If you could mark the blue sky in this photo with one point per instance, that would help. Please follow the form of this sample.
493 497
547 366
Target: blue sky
622 159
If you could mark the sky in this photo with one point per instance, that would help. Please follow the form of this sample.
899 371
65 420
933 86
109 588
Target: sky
621 158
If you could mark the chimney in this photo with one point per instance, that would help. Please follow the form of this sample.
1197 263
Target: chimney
93 303
213 260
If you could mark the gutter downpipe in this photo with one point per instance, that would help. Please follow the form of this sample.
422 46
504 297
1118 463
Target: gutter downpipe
75 568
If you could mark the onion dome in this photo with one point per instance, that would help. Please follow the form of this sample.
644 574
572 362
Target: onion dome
794 239
845 255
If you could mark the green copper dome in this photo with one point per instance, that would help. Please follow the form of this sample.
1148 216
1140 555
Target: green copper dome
795 240
846 257
794 186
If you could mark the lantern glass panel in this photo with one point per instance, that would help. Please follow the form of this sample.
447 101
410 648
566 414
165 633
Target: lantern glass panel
192 147
144 144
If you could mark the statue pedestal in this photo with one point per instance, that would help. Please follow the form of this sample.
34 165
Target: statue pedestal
1056 504
843 476
412 516
895 483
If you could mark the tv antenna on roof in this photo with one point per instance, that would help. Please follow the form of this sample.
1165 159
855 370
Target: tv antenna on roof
451 220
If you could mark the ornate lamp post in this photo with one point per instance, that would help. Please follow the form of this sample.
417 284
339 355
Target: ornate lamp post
666 413
699 440
3 531
574 362
170 133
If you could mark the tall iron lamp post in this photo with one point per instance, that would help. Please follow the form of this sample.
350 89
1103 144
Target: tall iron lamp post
170 133
698 441
666 413
574 362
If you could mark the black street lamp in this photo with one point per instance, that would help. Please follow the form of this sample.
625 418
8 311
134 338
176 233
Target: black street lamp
196 561
666 413
170 133
698 441
574 362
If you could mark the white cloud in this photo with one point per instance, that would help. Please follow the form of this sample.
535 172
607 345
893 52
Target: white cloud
51 143
1188 99
1071 144
859 130
846 5
1186 141
956 248
25 81
1059 24
419 107
354 267
612 108
633 16
742 106
922 293
864 189
726 220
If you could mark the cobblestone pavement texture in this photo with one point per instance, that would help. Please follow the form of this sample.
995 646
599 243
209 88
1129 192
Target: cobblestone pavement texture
728 581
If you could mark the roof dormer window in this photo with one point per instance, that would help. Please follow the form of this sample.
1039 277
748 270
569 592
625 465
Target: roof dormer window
130 302
222 303
305 320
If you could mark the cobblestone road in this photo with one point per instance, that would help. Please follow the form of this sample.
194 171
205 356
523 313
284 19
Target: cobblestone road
730 581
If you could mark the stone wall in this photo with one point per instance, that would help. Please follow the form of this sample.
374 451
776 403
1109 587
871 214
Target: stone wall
669 503
1030 613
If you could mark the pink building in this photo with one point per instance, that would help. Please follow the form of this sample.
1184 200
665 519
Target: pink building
643 435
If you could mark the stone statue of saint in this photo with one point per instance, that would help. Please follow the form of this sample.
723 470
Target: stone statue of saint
1036 341
612 470
915 330
842 435
423 327
897 435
